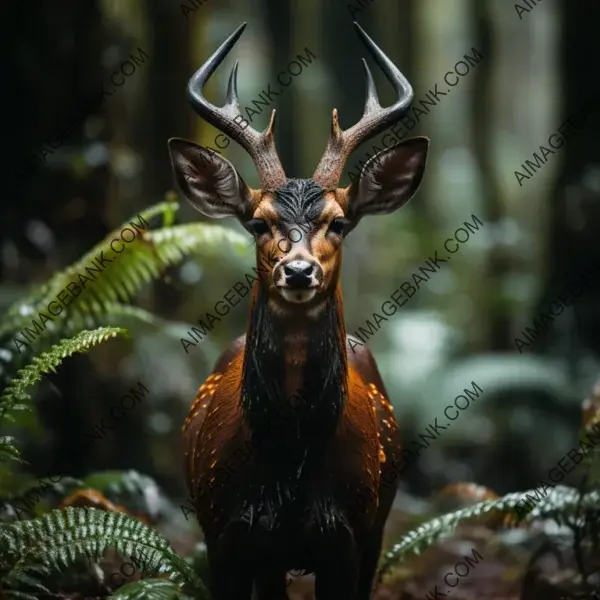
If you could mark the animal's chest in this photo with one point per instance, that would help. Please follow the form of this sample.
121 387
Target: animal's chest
288 521
296 493
283 506
289 479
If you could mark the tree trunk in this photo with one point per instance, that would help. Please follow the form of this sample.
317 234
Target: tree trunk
575 214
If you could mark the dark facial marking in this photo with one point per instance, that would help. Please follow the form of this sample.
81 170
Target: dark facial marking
299 201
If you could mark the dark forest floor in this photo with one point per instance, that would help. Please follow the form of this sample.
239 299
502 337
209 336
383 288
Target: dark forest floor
505 570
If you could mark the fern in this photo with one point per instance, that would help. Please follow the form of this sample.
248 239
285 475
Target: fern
154 251
560 504
30 551
15 398
19 314
125 315
111 314
142 260
148 589
8 450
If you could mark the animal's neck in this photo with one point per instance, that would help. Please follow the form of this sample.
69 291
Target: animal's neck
294 382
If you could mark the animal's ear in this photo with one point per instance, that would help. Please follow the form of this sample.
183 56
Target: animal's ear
388 180
210 182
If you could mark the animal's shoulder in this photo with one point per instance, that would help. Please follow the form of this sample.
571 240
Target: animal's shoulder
230 353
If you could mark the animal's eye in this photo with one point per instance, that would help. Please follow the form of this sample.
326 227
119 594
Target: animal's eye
258 227
337 226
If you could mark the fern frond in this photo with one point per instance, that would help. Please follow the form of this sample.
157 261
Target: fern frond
34 549
125 315
111 314
148 589
19 315
150 255
559 504
8 450
124 274
191 238
15 398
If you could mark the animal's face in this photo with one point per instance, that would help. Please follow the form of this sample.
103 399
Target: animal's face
299 230
299 224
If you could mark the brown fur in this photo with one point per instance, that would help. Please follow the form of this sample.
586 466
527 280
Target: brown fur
215 429
219 459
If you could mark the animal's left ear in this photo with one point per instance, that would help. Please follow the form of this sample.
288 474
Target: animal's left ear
388 180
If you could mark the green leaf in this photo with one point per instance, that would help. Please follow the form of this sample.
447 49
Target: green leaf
16 398
140 262
57 540
8 450
19 315
559 504
148 589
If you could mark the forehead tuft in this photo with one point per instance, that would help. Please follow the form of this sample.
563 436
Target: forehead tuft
299 199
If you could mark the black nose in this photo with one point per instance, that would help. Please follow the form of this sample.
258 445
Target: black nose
298 273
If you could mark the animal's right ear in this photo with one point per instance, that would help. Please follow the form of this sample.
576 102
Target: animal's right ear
210 182
388 180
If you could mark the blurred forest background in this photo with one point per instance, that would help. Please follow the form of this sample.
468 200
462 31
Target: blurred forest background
538 68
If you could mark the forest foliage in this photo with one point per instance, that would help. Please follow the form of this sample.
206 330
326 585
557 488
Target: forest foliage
34 553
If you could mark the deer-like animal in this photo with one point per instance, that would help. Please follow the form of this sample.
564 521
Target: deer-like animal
281 484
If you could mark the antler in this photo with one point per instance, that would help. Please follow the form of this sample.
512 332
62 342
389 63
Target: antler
374 120
260 146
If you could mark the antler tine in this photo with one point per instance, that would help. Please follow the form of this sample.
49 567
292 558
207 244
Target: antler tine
232 92
260 145
374 120
372 101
